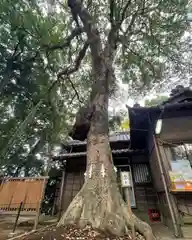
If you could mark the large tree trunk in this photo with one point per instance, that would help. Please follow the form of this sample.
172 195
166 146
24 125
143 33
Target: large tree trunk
99 202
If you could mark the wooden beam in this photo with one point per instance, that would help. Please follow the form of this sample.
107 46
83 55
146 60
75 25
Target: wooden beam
25 178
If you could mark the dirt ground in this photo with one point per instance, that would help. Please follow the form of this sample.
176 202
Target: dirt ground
6 229
70 232
73 232
25 224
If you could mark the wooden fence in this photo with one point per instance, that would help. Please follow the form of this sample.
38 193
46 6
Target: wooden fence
13 191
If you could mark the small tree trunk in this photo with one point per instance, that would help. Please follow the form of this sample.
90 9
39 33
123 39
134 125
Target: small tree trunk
99 202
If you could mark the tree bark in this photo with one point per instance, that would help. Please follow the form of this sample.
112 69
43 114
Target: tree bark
99 202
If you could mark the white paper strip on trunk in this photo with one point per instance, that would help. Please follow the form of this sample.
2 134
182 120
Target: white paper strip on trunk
102 170
90 171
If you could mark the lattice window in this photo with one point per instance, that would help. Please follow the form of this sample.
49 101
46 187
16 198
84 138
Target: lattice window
141 173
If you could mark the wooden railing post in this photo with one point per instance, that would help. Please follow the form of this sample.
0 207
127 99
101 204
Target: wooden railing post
17 217
39 204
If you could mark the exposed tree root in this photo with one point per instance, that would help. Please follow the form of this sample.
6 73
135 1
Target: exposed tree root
99 202
108 213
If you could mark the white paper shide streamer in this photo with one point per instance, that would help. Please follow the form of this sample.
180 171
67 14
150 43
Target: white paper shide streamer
90 171
102 170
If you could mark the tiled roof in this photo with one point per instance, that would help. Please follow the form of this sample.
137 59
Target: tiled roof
119 136
115 137
173 99
80 154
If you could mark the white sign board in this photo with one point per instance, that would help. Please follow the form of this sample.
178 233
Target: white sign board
125 179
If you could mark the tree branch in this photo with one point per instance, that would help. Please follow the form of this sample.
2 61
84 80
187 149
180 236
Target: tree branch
111 14
9 66
76 32
124 12
145 60
72 99
131 23
70 70
75 90
113 34
92 33
81 55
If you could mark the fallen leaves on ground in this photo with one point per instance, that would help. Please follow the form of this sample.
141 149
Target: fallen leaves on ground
72 232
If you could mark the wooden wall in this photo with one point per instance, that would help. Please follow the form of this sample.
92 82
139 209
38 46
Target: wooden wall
156 175
165 211
146 198
184 202
158 183
74 179
73 183
175 131
145 194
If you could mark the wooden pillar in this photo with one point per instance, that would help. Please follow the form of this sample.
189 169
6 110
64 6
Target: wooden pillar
2 180
163 152
55 200
40 203
171 205
61 193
